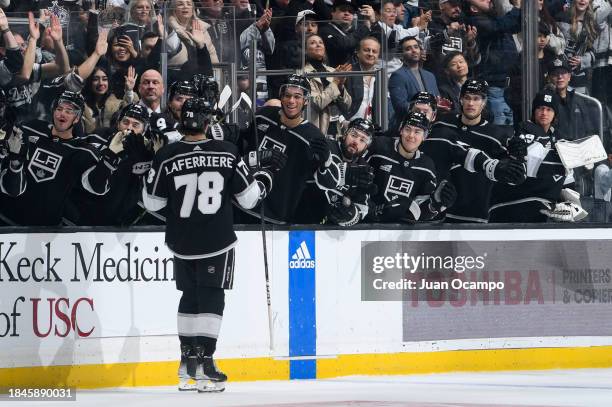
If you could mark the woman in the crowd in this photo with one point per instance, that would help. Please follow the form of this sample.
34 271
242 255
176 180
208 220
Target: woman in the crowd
192 35
142 13
100 102
325 92
588 40
555 41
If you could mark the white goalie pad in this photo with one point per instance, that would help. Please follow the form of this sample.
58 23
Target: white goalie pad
565 212
582 152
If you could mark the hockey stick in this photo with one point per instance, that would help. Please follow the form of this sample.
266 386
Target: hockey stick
253 80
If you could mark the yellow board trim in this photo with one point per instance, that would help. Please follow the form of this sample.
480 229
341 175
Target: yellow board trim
465 361
164 373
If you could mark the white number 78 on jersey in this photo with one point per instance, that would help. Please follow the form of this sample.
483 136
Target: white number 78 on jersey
207 186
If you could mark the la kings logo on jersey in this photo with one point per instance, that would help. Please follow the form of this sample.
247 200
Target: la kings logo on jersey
398 186
268 144
44 165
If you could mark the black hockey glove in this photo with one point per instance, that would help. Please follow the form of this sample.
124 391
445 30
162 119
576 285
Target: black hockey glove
505 171
320 150
445 195
17 145
158 139
358 175
264 180
343 215
136 149
272 159
517 148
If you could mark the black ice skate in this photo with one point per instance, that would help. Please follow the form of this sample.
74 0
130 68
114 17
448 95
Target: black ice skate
208 377
187 368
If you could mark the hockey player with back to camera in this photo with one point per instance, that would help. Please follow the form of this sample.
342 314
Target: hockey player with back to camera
345 178
46 162
197 178
472 153
548 190
405 177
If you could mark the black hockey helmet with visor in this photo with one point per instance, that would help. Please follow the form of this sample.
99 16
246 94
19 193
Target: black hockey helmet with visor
136 111
475 87
297 81
186 88
72 98
196 114
361 125
207 87
424 98
415 119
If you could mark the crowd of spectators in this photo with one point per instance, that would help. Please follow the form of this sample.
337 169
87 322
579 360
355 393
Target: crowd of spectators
111 53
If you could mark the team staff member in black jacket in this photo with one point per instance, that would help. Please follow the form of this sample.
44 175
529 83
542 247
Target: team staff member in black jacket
49 163
284 136
547 191
408 190
197 178
471 171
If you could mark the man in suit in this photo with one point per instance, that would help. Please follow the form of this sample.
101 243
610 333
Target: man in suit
362 88
410 78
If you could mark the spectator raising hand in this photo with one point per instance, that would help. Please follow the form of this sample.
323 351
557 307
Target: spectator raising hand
130 79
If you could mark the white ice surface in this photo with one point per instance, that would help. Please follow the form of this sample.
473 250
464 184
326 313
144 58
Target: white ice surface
551 388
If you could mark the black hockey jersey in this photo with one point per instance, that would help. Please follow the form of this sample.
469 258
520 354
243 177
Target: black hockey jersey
289 183
407 182
197 181
330 180
546 177
473 188
52 168
120 205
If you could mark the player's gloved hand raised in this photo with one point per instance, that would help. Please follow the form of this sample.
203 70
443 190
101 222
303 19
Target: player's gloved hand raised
17 145
116 144
343 215
272 159
517 148
320 150
358 175
445 195
137 147
158 139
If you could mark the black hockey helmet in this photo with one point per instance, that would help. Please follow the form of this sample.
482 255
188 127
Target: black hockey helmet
298 81
363 125
475 87
424 98
186 88
73 98
416 119
196 114
135 111
207 87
